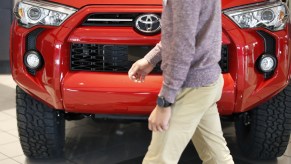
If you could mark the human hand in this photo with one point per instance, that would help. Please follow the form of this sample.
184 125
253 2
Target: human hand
139 70
159 119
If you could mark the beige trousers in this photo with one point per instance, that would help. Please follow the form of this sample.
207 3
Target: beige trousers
194 117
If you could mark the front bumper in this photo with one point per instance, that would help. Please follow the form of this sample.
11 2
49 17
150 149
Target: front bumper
113 93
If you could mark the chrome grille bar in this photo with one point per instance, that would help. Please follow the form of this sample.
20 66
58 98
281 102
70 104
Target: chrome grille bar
109 20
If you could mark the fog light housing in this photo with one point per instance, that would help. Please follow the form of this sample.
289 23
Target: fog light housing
33 61
266 64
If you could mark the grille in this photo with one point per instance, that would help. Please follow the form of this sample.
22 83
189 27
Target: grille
106 58
116 58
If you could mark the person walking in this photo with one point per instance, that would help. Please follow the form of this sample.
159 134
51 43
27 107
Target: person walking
186 110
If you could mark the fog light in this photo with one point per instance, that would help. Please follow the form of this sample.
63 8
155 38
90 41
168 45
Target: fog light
33 60
267 63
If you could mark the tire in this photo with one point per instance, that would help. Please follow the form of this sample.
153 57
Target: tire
264 132
41 129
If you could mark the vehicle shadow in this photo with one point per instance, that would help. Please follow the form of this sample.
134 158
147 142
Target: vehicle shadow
111 142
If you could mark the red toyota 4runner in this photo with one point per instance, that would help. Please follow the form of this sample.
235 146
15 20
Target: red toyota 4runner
70 59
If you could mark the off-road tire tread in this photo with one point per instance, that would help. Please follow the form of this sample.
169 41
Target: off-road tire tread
41 129
270 128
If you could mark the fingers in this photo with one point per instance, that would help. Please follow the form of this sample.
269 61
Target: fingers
158 122
165 127
139 77
137 72
150 126
135 75
132 73
142 77
157 127
160 129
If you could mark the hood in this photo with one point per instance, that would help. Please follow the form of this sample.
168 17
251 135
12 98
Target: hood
81 3
234 3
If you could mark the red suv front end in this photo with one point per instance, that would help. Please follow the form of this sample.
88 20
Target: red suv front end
81 58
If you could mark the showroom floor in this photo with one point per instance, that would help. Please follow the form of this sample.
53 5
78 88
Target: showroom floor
98 142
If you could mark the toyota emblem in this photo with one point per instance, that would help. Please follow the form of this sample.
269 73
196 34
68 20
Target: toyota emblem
148 23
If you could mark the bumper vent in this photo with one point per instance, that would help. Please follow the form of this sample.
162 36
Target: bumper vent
270 42
116 58
31 39
224 59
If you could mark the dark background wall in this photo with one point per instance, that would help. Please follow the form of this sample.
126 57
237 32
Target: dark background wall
5 22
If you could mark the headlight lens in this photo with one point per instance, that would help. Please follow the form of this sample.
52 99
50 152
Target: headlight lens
272 16
31 13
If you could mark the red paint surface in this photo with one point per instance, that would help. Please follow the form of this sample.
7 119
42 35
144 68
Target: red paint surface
82 3
93 92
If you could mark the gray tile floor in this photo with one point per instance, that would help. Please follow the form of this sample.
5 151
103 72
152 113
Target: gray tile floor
97 142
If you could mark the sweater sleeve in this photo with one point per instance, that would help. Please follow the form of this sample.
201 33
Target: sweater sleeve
181 50
154 56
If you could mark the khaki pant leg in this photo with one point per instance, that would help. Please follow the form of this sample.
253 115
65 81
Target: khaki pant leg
191 104
200 146
208 138
209 141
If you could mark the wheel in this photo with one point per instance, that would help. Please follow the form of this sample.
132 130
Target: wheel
264 132
41 129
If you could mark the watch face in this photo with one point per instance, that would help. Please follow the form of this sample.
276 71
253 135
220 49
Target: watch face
160 102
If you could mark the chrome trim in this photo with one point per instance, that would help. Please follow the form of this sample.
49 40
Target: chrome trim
148 23
109 20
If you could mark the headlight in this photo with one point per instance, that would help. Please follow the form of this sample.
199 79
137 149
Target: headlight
31 13
272 16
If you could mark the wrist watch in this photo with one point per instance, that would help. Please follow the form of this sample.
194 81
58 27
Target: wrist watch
162 102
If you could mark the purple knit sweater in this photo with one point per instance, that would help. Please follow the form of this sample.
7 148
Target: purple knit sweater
190 48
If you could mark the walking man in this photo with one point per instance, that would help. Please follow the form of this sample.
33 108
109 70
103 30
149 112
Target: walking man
190 50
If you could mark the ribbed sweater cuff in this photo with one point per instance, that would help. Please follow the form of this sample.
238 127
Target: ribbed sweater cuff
168 93
153 57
